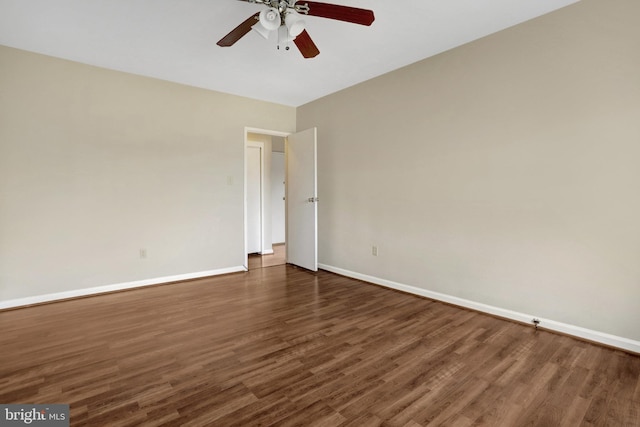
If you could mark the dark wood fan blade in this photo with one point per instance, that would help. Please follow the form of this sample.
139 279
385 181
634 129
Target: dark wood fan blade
239 32
341 13
307 47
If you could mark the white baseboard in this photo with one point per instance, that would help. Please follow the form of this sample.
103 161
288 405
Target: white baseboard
39 299
576 331
267 252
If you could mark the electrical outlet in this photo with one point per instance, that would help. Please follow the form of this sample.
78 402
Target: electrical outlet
374 250
143 253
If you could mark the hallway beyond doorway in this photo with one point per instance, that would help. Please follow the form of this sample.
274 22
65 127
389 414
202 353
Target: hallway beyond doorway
277 258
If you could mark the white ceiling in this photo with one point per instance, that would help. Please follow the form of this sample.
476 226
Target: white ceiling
175 40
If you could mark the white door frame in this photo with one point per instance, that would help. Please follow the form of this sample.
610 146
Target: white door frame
259 146
247 131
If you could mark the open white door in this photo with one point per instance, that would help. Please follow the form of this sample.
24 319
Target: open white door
302 200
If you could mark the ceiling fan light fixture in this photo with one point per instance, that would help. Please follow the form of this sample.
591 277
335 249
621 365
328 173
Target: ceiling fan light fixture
270 19
294 24
258 28
284 38
284 16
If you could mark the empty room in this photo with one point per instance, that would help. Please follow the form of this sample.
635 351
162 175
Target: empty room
300 213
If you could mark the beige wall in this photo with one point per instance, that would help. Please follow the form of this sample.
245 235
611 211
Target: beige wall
96 165
506 171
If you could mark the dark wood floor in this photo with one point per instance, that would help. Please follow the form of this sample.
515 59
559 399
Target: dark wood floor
282 346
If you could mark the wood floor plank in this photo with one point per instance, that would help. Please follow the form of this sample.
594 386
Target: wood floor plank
283 346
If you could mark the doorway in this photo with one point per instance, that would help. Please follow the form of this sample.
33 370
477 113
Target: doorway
265 211
300 243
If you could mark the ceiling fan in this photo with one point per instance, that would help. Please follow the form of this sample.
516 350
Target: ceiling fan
285 16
